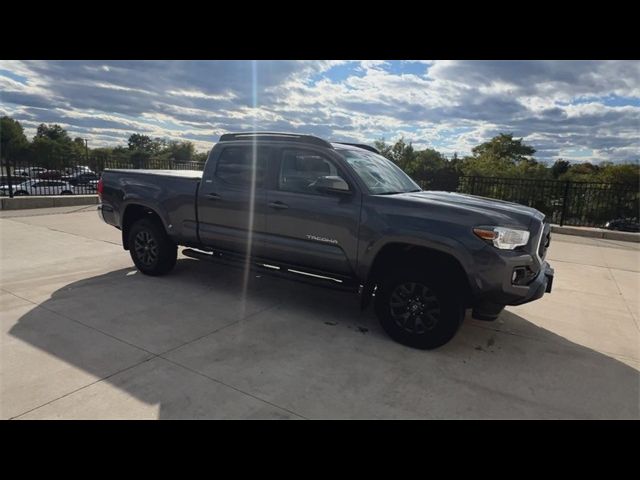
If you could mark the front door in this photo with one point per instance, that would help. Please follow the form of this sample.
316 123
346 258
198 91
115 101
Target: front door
307 228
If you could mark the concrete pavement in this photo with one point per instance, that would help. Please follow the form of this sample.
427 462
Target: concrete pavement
86 336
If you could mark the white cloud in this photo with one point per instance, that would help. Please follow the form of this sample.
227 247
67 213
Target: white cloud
453 105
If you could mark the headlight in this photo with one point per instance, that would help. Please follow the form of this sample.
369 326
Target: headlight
503 238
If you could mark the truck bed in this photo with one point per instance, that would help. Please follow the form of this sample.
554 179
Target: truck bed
171 193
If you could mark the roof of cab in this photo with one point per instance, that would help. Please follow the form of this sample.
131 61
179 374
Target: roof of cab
292 137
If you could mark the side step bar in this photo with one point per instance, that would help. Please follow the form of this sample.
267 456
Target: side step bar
281 270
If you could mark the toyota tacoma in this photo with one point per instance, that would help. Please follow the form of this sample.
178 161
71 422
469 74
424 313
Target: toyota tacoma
336 214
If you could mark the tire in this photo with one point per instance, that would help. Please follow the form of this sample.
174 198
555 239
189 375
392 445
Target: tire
151 249
430 307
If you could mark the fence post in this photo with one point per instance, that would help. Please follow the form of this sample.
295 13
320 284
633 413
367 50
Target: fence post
565 200
473 185
7 165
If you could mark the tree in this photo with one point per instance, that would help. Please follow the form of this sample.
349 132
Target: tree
12 138
504 146
143 143
383 148
51 146
560 167
79 149
53 132
400 153
582 172
426 164
403 154
201 157
179 151
502 156
628 173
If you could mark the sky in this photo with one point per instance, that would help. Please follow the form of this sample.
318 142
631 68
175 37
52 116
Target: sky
576 110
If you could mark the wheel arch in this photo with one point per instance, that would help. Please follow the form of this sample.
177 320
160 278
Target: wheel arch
394 255
134 212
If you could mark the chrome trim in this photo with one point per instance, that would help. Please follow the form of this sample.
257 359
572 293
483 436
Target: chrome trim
314 275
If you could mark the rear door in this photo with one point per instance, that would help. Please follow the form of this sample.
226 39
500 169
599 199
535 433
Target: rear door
232 199
315 230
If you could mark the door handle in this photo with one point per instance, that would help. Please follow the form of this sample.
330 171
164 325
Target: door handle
213 196
278 205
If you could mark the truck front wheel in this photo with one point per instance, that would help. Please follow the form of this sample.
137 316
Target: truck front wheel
151 249
417 310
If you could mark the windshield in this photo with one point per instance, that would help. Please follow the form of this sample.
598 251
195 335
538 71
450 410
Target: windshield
381 176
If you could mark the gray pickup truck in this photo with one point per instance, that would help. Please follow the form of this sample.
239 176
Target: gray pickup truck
341 215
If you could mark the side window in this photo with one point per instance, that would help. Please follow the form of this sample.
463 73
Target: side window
300 168
235 165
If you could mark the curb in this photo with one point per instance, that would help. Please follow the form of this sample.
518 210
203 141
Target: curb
597 233
26 202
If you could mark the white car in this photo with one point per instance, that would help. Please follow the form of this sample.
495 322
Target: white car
31 172
77 170
40 187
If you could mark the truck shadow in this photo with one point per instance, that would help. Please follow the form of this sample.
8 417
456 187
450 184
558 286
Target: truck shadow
199 317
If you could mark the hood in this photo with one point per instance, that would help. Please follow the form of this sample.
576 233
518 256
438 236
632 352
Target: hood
503 213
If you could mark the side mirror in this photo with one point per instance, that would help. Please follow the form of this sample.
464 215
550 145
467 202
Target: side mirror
331 184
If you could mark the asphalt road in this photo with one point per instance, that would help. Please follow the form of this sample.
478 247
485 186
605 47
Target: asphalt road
86 336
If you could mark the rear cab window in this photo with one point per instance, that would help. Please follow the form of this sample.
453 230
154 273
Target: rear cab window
237 165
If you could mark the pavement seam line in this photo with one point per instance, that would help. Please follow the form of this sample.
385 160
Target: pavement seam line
26 214
233 388
61 231
589 265
624 300
565 289
247 317
81 388
573 345
153 356
91 327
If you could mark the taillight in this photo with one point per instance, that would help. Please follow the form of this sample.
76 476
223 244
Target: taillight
100 189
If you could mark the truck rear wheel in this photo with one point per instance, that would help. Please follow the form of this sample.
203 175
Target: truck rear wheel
151 249
417 310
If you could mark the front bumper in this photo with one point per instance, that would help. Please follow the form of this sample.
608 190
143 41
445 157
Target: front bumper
489 306
541 284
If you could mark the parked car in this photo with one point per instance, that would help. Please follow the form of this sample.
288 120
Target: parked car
78 169
341 215
85 178
31 172
623 225
50 175
40 187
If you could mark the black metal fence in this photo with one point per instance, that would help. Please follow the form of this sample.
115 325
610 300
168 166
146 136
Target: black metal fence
564 203
73 176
